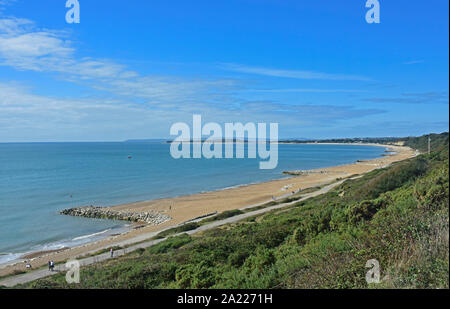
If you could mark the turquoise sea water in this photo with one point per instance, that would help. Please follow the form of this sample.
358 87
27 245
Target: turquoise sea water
38 180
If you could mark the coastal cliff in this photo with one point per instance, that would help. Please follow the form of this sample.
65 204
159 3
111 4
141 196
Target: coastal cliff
107 213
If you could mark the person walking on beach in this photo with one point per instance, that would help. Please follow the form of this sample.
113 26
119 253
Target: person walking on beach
49 266
52 265
112 252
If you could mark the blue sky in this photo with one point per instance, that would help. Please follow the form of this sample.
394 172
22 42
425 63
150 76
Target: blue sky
132 68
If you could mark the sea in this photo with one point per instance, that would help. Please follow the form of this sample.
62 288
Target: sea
38 180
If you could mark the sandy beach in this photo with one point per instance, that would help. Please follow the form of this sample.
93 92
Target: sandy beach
185 208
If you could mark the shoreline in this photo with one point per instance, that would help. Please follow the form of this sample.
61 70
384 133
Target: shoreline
188 207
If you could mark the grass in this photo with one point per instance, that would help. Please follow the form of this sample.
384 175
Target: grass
179 229
222 216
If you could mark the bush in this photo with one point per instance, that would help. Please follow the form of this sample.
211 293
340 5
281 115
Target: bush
223 215
179 229
259 261
365 210
170 244
393 178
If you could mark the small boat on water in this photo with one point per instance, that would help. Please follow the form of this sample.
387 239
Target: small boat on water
130 157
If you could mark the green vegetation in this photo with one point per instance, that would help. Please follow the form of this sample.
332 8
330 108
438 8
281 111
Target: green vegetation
397 215
169 244
376 140
179 229
222 216
419 143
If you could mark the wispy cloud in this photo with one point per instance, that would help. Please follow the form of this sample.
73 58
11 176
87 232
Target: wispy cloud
295 74
432 97
164 89
305 90
413 62
308 112
25 116
73 118
4 3
24 46
400 128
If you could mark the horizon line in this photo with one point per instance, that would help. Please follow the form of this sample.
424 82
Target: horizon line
168 139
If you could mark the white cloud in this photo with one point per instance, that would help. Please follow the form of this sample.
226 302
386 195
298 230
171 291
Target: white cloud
305 90
36 44
12 25
431 97
25 115
26 47
4 3
296 74
159 89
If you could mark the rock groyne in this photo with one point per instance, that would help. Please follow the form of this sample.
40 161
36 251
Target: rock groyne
152 218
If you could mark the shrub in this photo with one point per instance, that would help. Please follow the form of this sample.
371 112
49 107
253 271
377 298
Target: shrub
365 210
393 178
223 215
179 229
170 244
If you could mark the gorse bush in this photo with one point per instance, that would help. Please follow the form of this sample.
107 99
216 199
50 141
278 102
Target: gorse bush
393 178
365 210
